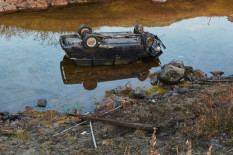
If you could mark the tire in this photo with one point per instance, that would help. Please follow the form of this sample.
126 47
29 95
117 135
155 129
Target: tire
148 40
90 41
138 29
90 84
83 30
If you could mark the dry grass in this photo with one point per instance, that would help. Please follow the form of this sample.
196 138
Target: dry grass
214 112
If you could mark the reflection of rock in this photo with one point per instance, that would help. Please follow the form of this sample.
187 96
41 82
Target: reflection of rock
159 1
171 74
59 2
230 18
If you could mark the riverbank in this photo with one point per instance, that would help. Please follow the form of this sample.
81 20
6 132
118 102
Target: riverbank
198 109
20 5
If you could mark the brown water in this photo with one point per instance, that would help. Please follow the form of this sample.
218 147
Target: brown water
32 65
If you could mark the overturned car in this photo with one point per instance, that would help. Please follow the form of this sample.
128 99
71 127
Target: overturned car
88 48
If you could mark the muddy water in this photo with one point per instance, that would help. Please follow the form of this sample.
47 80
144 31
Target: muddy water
33 64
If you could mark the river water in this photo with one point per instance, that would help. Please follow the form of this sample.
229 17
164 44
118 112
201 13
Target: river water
32 63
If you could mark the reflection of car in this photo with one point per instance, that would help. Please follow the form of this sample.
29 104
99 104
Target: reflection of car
109 48
90 76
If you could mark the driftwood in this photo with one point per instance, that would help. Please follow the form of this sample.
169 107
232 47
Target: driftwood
140 126
66 130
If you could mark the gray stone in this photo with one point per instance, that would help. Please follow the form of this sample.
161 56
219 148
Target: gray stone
10 8
55 125
4 4
175 94
154 80
182 90
196 86
177 63
22 5
167 94
42 103
171 74
139 94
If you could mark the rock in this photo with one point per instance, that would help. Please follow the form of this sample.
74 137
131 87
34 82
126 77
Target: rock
177 63
167 94
55 125
4 118
158 1
175 94
40 4
1 9
217 73
10 8
28 108
139 94
4 113
182 90
171 74
3 4
59 3
22 5
0 117
198 74
154 80
42 103
196 86
14 116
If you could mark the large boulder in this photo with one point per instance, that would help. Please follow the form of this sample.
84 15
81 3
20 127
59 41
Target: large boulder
171 74
177 63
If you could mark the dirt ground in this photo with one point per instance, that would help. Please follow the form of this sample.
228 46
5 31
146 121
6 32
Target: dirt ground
201 115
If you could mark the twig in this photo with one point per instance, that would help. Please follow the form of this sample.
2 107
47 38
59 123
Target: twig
93 135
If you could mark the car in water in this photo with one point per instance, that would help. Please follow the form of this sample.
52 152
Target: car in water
89 48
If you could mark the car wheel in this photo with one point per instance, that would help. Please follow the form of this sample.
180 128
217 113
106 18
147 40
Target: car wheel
90 41
90 84
138 29
83 30
148 40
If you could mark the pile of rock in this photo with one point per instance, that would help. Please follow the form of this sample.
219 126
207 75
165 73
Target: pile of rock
17 5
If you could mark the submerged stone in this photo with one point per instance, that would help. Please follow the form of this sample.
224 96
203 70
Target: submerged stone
42 103
139 94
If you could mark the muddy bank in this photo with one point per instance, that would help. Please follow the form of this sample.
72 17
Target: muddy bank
195 108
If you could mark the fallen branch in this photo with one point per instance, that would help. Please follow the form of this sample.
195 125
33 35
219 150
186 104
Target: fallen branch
140 126
85 122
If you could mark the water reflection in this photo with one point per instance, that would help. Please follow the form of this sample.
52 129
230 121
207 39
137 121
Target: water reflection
117 13
91 76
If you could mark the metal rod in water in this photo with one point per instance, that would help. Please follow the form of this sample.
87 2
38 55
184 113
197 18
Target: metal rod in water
93 136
